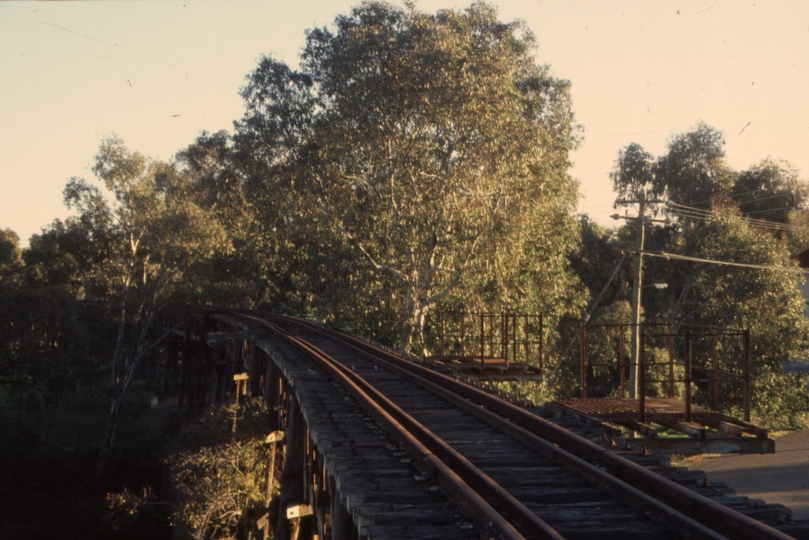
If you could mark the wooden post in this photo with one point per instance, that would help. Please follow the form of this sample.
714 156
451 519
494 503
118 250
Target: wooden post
636 300
746 375
292 487
582 360
687 357
254 369
642 376
273 439
241 388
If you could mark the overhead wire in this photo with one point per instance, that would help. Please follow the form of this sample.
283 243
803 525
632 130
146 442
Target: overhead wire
751 200
750 222
772 209
754 199
666 255
698 213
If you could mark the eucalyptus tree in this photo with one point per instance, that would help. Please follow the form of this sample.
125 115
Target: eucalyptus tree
773 193
153 231
430 151
694 171
43 341
770 190
768 302
10 257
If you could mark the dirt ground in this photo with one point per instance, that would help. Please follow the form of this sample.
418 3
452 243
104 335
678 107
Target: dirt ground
782 477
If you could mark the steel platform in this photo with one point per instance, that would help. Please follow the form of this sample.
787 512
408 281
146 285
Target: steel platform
706 432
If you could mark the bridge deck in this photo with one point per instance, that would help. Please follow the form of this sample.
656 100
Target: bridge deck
351 474
380 488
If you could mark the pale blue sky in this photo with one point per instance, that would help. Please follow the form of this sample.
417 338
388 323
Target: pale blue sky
158 73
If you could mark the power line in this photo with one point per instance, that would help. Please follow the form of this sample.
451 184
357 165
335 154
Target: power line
682 210
755 199
665 255
746 193
752 222
772 209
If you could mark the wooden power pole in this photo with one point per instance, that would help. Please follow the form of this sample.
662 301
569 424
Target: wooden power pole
637 284
637 280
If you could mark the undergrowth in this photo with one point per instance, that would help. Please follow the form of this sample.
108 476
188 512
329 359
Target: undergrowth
220 476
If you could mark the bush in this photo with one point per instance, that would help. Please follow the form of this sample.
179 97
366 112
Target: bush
221 476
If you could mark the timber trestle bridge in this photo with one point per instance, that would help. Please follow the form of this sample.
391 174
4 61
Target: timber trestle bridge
372 445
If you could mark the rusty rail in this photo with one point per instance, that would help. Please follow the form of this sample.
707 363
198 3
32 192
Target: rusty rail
664 499
433 456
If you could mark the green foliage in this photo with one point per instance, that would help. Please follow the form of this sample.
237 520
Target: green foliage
711 220
603 350
770 191
694 171
768 303
43 343
46 461
143 243
414 160
220 475
634 174
10 257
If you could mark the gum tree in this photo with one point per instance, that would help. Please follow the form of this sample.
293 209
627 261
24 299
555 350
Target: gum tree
150 232
430 151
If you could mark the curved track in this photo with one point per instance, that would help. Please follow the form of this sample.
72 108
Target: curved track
513 474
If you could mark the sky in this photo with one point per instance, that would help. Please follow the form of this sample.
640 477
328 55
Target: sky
156 74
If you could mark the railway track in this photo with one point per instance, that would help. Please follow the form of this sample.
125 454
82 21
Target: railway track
511 473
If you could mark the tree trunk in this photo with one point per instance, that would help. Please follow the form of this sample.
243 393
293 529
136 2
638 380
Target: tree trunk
109 433
406 335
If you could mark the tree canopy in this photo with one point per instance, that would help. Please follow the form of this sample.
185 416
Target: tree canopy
718 215
429 150
145 242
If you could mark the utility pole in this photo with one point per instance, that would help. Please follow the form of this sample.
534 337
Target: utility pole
637 281
636 306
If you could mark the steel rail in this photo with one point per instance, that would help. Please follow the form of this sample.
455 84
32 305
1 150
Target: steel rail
657 511
690 505
472 504
483 484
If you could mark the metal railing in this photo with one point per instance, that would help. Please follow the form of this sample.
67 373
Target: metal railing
506 337
730 368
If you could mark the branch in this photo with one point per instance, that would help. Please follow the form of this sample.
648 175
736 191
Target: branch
429 258
435 298
377 266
